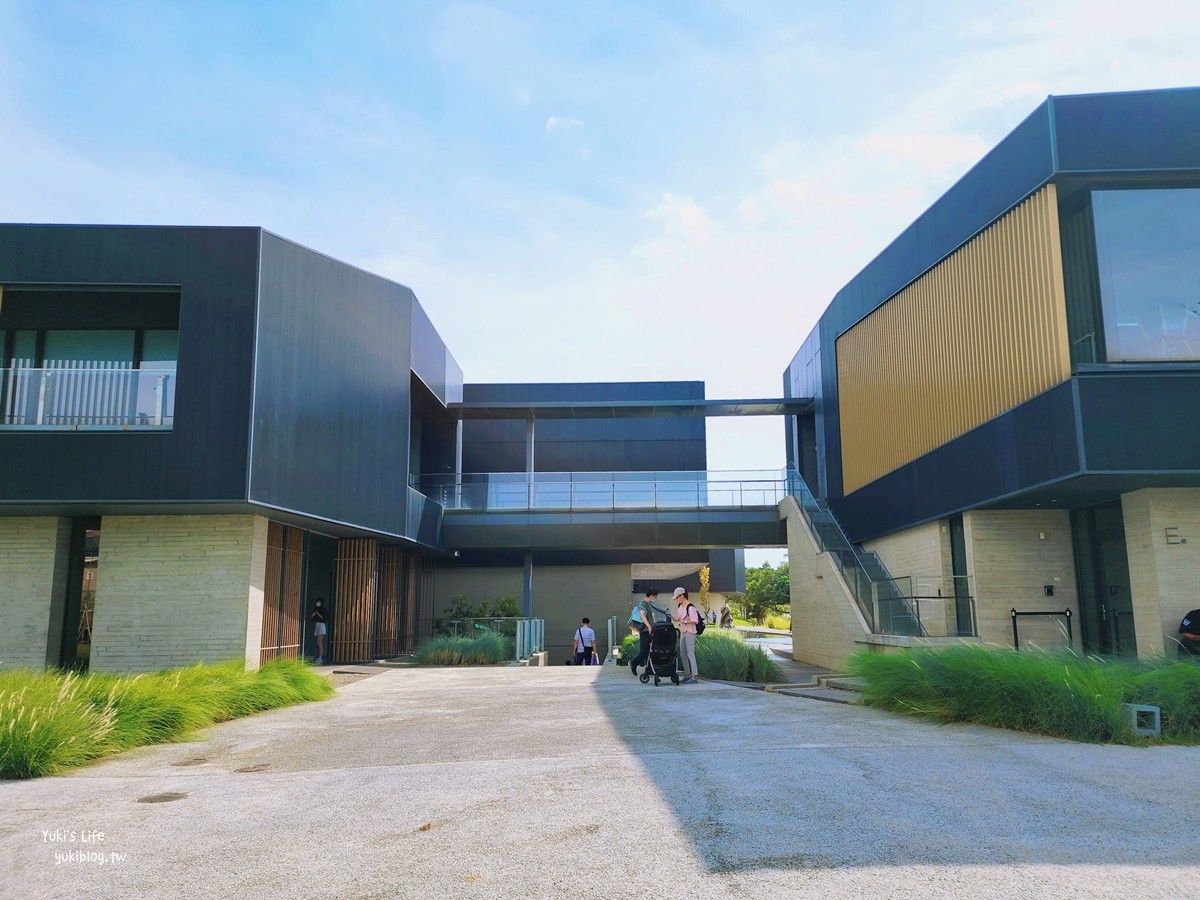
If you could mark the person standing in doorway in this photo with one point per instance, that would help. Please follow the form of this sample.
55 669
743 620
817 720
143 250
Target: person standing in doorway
319 629
585 643
687 616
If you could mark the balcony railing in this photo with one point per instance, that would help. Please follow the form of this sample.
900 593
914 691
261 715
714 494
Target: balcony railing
86 396
604 490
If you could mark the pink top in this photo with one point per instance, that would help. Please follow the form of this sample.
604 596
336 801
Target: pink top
687 618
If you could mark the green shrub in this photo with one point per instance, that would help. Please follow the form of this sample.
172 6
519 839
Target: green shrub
783 623
53 721
1060 694
722 653
486 649
628 648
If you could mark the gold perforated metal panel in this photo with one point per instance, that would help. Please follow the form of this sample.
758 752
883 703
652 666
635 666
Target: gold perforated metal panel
979 333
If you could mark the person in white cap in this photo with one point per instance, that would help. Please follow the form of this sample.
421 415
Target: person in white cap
687 616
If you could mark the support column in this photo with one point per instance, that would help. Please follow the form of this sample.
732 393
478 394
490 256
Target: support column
33 584
1162 540
527 586
529 461
458 472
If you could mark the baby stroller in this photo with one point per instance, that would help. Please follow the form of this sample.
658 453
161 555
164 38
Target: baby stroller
664 643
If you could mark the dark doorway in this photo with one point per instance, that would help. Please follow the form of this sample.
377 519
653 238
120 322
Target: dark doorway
1102 571
964 620
79 610
320 555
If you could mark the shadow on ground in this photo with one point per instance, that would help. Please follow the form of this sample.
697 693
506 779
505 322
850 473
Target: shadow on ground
762 781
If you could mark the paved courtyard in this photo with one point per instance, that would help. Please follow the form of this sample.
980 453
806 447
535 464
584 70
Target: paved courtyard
578 782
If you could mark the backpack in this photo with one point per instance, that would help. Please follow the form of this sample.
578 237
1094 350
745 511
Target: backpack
700 624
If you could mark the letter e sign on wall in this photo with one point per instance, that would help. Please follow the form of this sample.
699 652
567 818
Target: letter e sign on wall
1173 537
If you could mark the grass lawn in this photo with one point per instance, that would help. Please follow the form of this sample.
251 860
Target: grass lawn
1060 694
53 721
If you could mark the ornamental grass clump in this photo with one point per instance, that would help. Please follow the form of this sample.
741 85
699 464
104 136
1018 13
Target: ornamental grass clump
1174 687
51 721
723 654
487 649
1055 693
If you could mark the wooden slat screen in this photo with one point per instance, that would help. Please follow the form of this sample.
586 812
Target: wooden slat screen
422 597
387 629
281 593
293 572
269 645
353 635
978 334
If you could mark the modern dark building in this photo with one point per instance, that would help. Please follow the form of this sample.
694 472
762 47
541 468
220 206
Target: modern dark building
1007 399
992 435
202 430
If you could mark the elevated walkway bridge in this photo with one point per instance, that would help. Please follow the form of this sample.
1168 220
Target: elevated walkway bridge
601 510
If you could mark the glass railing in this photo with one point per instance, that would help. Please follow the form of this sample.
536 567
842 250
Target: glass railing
86 397
604 490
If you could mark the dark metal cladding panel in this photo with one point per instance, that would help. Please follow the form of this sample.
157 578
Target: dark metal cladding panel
1139 131
1026 447
204 457
586 445
1141 422
331 408
1015 168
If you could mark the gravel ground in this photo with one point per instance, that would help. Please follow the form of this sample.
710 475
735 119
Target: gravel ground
581 782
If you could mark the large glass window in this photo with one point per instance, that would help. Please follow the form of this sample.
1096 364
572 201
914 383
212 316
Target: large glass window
24 348
1148 254
94 348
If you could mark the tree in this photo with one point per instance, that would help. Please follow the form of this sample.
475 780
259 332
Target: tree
768 591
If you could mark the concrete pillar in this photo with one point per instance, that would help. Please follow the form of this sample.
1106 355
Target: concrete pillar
458 472
1162 542
33 581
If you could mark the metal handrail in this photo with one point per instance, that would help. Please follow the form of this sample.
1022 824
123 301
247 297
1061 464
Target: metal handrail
866 605
531 638
614 625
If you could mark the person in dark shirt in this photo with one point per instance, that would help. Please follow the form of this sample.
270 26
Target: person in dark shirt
319 630
1189 634
640 624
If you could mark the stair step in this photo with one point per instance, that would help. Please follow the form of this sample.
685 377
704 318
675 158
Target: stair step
843 683
824 694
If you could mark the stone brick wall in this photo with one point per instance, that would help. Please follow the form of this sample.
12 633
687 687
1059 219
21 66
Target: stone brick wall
173 590
1164 568
919 559
825 620
33 573
1010 562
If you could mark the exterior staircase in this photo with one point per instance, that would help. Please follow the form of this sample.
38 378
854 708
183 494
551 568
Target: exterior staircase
827 688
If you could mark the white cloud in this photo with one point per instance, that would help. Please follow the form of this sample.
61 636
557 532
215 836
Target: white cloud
733 186
563 123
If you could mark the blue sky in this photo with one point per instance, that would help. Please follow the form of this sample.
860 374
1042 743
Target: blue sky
575 191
